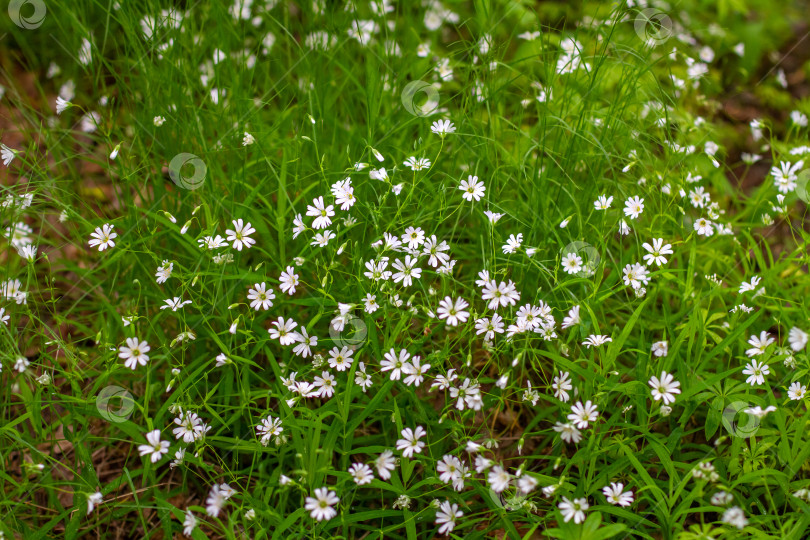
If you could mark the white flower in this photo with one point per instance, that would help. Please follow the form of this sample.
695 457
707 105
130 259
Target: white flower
615 494
415 164
442 127
745 287
581 415
758 411
657 251
453 311
797 339
704 227
572 263
288 281
269 428
283 331
261 297
735 517
472 188
164 271
410 443
240 235
361 473
797 391
134 353
61 105
660 348
189 523
498 479
756 372
94 499
759 344
603 202
573 509
248 139
493 216
572 318
326 384
446 517
321 505
664 387
407 271
305 343
561 385
385 463
7 154
174 303
321 213
596 340
155 447
513 243
103 237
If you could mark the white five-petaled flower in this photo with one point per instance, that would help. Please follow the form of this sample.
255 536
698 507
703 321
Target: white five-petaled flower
361 473
174 303
453 310
573 509
571 263
446 517
758 344
664 388
261 297
7 154
582 415
321 506
472 188
155 447
410 443
657 251
756 372
240 235
94 499
134 353
442 128
322 213
745 287
103 237
603 202
615 494
269 428
288 281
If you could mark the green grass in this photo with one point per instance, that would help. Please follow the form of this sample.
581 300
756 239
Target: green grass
315 113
